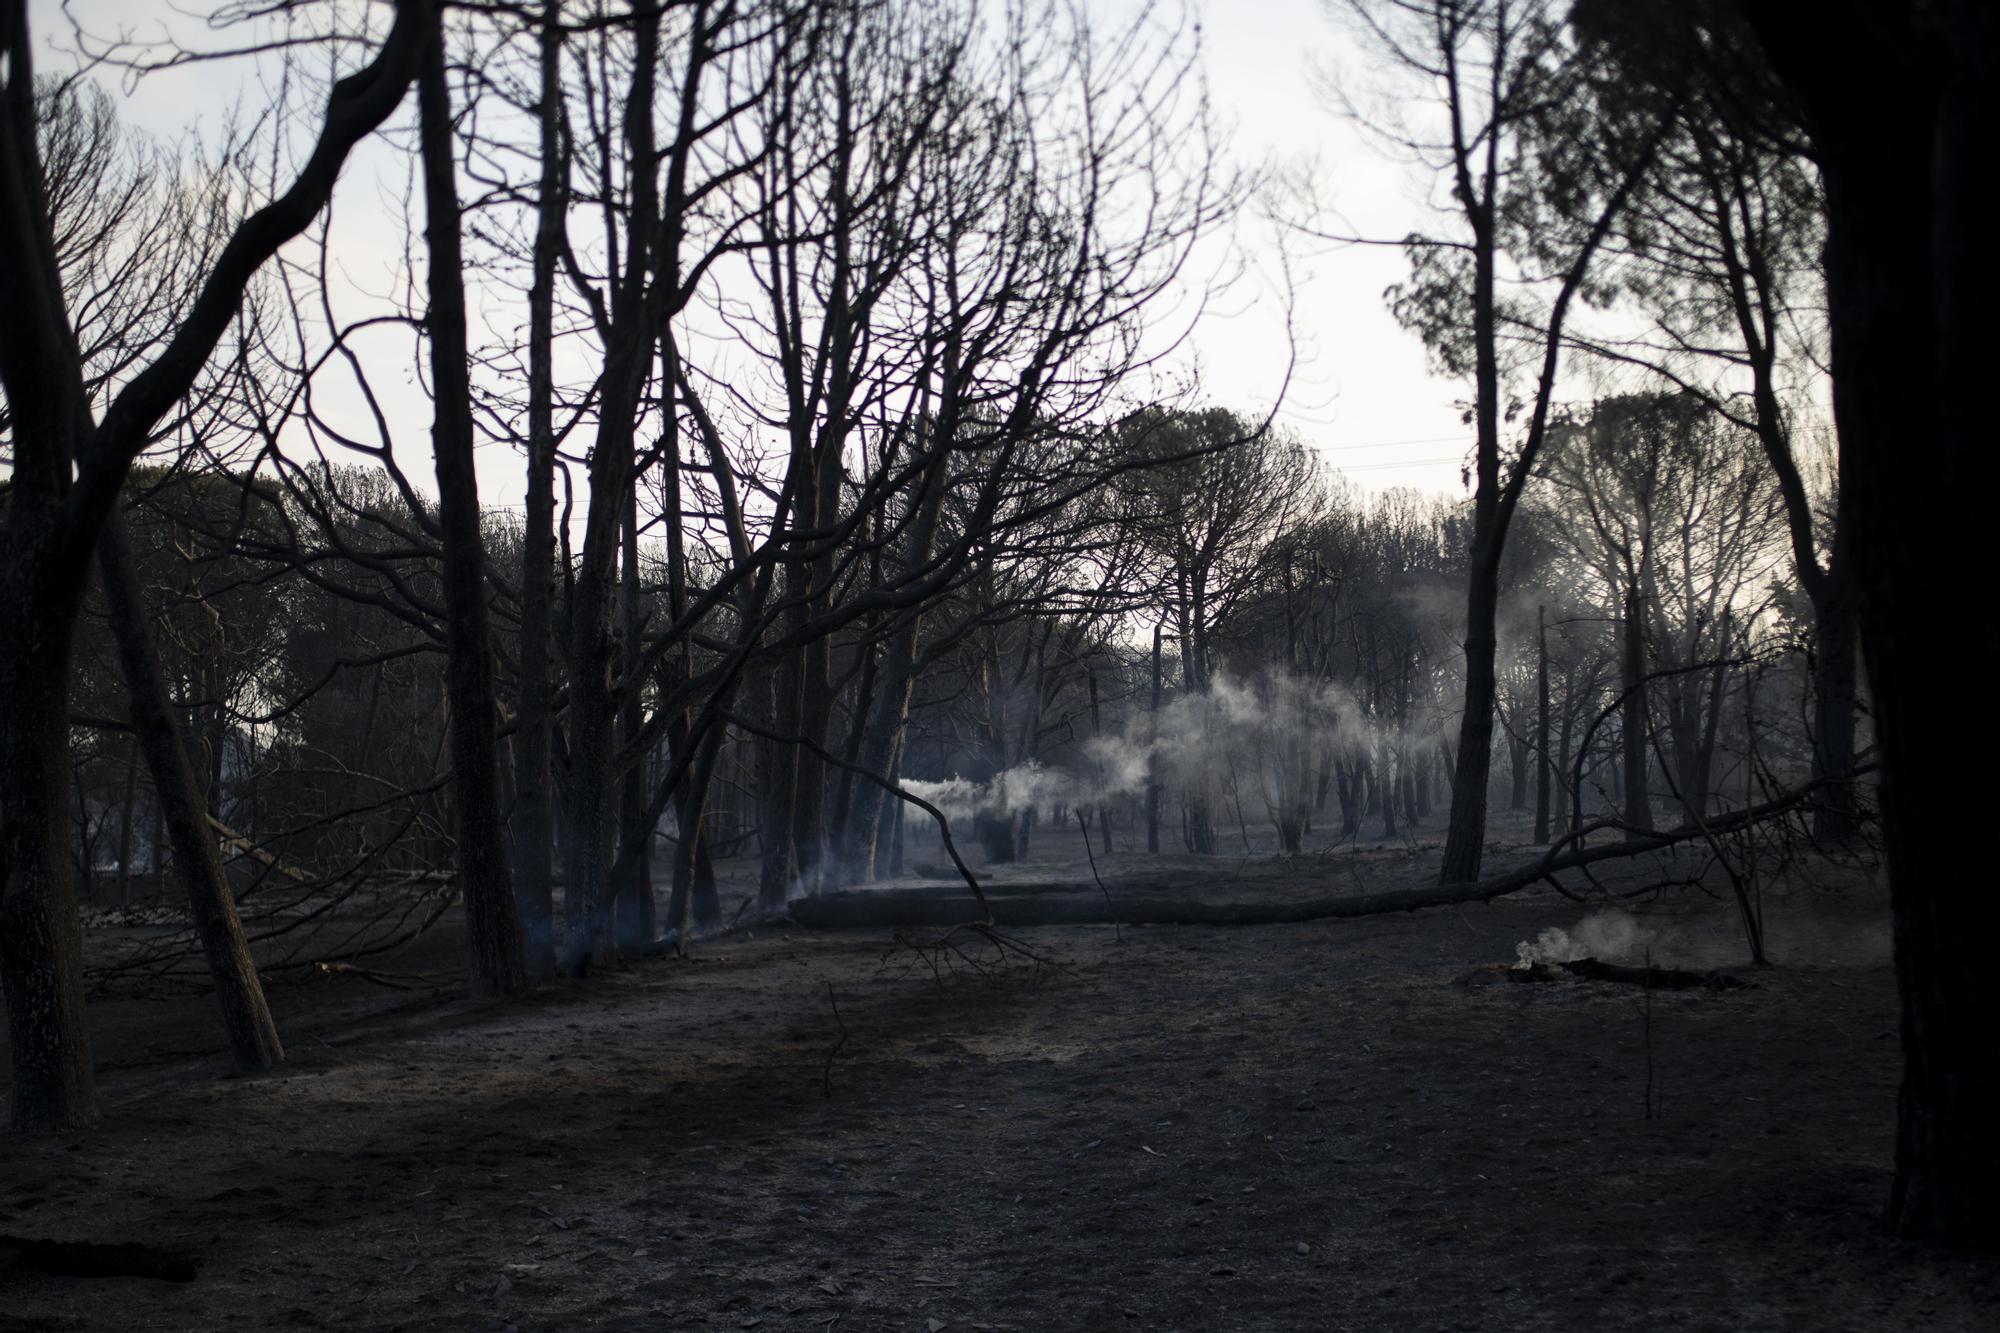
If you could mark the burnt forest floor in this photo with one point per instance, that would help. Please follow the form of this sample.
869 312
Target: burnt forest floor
1330 1126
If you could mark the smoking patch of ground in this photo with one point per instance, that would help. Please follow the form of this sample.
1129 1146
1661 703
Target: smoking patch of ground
1306 1127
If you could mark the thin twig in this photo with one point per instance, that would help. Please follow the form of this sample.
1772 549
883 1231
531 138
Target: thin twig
826 1077
1117 929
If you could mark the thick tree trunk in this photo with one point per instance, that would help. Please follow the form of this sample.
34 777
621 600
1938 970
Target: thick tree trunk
492 926
246 1018
41 943
1911 286
1836 688
1465 834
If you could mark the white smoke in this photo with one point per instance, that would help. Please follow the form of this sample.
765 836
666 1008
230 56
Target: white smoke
1607 936
1237 730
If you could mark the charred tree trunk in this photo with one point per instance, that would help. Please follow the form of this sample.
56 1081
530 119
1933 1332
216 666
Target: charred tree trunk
65 480
41 942
1386 781
1911 286
1348 780
1152 755
995 831
889 719
1465 835
1836 689
1699 779
694 904
633 917
534 814
492 927
779 777
125 821
1632 721
246 1018
1465 831
1542 773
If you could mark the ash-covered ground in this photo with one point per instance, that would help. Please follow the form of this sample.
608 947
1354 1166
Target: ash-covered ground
1337 1125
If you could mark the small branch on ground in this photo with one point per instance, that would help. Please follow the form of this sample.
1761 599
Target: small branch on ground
948 951
393 980
826 1076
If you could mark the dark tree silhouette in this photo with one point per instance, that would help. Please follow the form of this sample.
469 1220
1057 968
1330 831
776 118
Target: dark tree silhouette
1903 107
68 466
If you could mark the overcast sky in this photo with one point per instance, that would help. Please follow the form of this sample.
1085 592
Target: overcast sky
1360 391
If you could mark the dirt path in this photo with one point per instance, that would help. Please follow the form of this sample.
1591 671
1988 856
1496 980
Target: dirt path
1288 1127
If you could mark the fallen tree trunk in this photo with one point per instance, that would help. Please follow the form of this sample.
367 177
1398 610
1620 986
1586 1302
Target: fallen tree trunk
1652 978
898 908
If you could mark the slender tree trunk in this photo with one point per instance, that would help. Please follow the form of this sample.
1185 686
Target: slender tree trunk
246 1018
842 826
1562 816
1152 753
534 815
125 821
694 905
1700 777
780 868
633 915
635 316
892 814
1542 773
1386 780
1517 757
492 926
1638 802
1465 829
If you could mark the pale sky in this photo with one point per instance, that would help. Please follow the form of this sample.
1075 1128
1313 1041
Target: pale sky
1360 393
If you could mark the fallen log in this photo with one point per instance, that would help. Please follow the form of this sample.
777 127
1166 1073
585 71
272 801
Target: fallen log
1592 969
1652 978
899 908
65 1258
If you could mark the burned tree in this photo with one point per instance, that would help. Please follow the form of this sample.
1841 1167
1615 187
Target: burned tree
69 462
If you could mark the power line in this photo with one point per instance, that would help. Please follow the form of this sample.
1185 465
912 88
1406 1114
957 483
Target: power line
1453 459
1390 444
